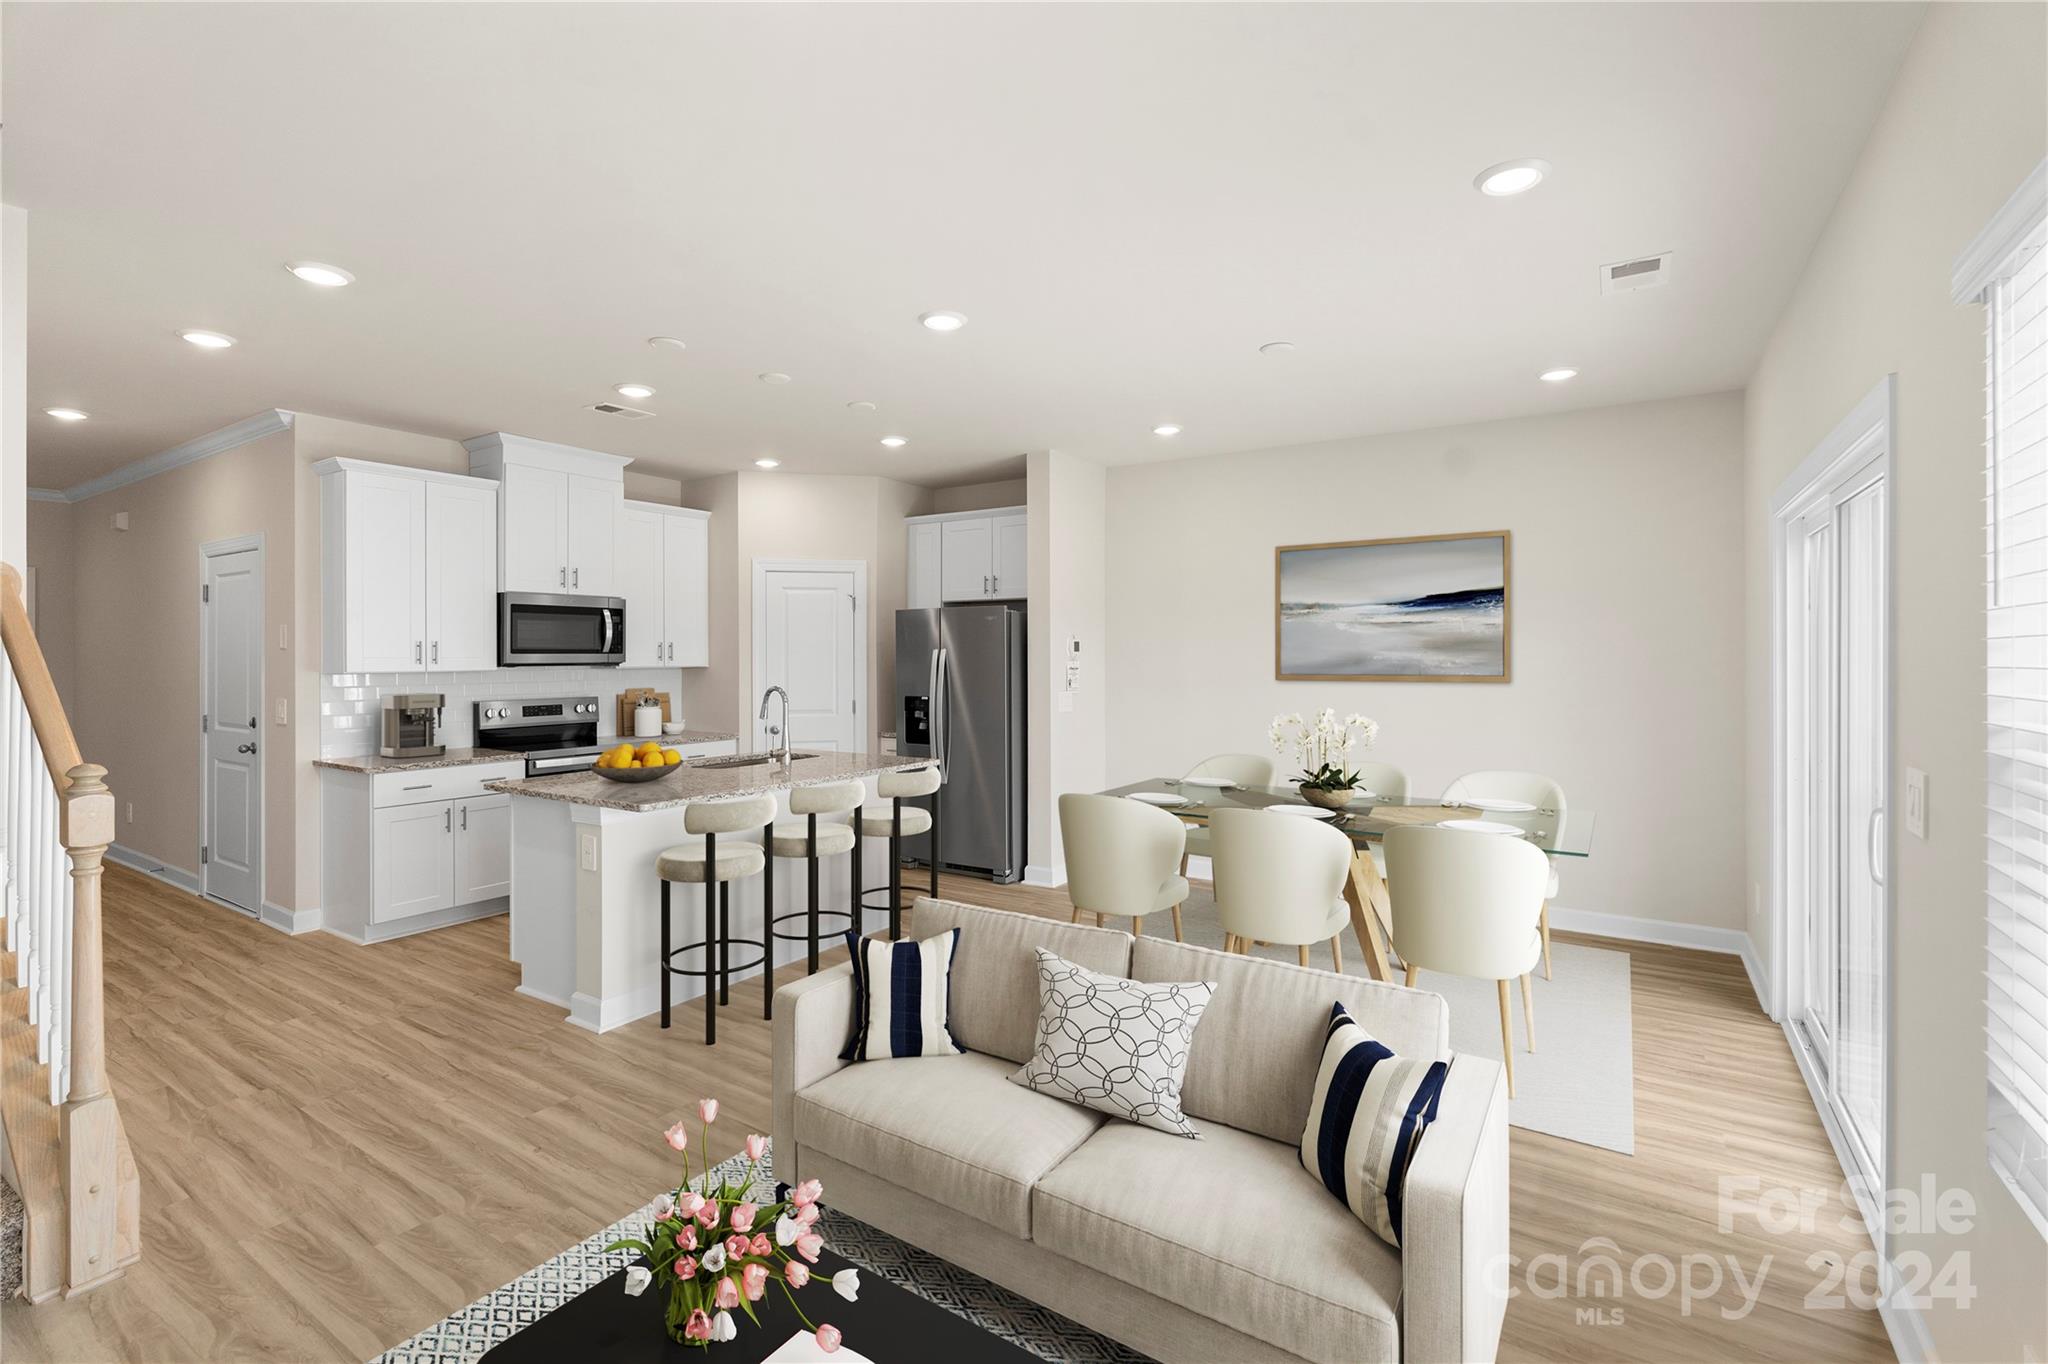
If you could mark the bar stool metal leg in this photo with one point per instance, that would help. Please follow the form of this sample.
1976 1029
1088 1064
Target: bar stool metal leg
724 942
859 886
664 952
935 845
811 948
710 894
896 870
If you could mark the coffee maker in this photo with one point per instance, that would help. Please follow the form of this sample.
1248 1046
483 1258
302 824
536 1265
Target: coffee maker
410 719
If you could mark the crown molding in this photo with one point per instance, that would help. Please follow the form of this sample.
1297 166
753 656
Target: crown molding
267 423
2017 220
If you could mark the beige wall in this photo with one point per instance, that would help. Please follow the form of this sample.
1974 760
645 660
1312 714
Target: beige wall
1627 628
50 557
13 384
1010 492
136 651
1962 128
1065 734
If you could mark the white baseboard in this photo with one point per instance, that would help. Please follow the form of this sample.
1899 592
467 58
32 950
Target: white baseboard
292 921
1906 1324
1732 941
1756 976
153 866
422 923
1052 876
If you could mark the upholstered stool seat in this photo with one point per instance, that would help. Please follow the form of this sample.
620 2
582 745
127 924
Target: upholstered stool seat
685 861
818 834
792 839
879 820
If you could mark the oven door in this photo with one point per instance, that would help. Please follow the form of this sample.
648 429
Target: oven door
546 628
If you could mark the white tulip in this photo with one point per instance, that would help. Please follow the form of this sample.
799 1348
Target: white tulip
714 1258
846 1283
637 1279
722 1327
787 1229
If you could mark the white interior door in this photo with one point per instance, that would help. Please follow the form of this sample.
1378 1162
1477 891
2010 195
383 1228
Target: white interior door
808 625
1838 763
231 839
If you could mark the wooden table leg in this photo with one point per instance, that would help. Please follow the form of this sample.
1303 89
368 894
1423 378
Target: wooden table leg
1366 893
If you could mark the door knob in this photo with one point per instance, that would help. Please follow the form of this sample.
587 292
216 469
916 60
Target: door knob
245 748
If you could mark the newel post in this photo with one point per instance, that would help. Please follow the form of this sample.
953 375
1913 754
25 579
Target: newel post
91 1128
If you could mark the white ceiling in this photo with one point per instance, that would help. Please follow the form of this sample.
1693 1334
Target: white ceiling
1125 200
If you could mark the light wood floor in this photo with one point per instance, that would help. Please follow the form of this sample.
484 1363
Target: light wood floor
341 1145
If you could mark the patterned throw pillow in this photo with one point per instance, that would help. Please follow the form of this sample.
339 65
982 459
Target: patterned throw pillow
1365 1120
901 994
1117 1046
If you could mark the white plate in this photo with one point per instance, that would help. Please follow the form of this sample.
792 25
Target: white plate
1498 806
1479 826
1305 811
1220 783
1159 798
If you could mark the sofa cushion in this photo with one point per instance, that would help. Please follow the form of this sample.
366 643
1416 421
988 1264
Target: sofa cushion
951 1127
1367 1115
1254 1059
902 994
1231 1227
995 975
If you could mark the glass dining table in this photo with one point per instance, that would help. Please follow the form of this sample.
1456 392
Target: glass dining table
1366 821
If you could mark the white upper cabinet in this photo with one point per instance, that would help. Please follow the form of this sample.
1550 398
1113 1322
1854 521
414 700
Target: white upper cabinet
922 566
967 557
663 564
558 514
406 577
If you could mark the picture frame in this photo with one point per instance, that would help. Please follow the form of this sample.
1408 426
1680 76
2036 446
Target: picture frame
1410 608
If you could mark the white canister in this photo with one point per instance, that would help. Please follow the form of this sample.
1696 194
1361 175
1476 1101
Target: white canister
647 718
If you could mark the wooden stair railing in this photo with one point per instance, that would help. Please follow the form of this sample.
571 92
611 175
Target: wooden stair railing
64 1139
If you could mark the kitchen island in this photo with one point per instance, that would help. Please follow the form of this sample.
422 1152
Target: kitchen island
586 904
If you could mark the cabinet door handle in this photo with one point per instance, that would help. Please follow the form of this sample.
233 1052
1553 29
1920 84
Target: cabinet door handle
576 577
563 576
437 651
465 819
415 651
447 821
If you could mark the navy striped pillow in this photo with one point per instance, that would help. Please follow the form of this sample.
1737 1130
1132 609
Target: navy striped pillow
901 994
1368 1113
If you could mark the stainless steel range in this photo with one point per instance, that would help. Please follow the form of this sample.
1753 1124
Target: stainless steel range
557 734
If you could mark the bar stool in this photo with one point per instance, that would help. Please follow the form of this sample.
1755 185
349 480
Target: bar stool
811 840
701 859
895 821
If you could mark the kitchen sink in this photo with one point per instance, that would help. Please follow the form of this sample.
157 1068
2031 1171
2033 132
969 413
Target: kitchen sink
746 760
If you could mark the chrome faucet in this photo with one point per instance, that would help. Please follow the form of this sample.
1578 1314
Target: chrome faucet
779 732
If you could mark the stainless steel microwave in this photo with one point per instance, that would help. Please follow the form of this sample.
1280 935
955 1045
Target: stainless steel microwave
548 628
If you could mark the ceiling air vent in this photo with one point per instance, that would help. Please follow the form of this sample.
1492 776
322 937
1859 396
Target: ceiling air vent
631 414
1645 272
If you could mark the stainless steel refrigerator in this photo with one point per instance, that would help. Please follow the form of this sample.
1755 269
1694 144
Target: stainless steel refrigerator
960 698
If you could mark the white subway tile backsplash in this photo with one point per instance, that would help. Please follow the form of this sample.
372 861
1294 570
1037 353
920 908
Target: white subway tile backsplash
350 702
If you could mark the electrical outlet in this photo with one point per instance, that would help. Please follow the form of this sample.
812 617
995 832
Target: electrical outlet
586 848
1916 802
280 710
284 637
131 812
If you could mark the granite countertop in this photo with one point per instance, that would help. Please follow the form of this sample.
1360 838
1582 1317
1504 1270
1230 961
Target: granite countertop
688 736
693 780
454 757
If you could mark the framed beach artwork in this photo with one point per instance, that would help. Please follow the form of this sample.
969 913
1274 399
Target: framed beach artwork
1423 608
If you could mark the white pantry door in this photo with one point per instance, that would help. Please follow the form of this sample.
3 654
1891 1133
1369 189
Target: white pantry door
231 851
808 624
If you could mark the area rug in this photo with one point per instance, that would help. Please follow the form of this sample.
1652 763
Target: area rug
465 1336
1578 1084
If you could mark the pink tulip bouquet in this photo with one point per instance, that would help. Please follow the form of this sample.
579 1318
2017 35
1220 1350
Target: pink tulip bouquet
716 1252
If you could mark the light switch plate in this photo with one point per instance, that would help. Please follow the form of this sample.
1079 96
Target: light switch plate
1916 802
280 710
586 849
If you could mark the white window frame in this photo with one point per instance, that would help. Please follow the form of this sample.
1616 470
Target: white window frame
2016 1123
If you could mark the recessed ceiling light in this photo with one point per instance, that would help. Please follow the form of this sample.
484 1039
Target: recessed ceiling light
1511 177
633 391
767 463
1166 429
1557 376
772 377
1277 348
208 340
326 276
671 342
66 414
943 320
862 406
894 442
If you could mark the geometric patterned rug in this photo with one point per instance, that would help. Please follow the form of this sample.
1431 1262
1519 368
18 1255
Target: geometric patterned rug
465 1336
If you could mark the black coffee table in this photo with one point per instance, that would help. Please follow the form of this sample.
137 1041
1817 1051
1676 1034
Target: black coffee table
889 1324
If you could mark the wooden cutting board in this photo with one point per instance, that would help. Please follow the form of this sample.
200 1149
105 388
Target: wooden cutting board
629 699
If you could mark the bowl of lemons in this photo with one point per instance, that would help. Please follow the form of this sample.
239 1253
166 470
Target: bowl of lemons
645 763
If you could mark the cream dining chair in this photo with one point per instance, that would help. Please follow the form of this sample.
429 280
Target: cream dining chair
1120 857
1468 905
1539 791
1245 769
1280 880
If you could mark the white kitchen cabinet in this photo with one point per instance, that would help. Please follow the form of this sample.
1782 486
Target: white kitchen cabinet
664 566
967 557
411 849
921 566
558 514
406 583
1011 573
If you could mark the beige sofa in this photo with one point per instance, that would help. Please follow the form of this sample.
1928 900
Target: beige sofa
1211 1250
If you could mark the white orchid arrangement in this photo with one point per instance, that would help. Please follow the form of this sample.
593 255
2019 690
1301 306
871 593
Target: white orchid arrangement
714 1251
1321 746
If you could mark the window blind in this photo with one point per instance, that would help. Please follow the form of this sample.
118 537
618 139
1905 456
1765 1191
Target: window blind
2016 713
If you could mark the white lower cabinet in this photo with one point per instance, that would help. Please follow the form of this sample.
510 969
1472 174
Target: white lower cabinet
410 850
